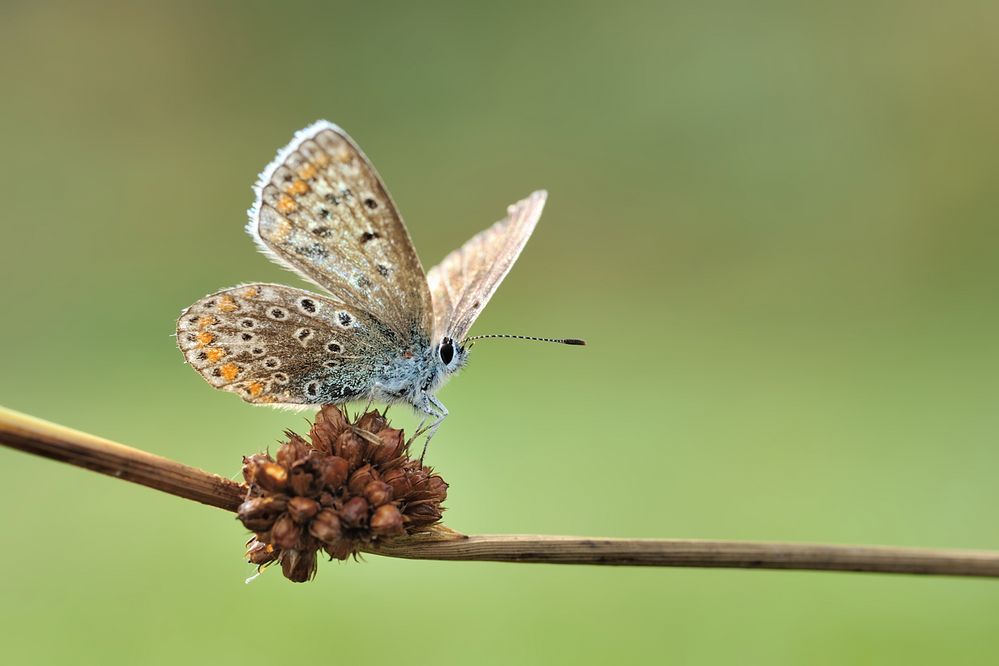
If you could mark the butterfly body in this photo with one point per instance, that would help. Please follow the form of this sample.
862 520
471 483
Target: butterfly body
412 378
384 330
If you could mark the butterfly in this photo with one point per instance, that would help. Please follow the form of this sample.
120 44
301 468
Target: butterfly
384 331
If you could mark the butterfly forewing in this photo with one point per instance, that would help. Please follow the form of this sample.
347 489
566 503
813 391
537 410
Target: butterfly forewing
466 279
322 210
280 345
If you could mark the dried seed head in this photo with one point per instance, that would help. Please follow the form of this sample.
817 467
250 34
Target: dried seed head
259 513
272 476
360 479
377 493
398 478
326 526
285 534
333 471
260 553
354 512
301 481
372 422
350 447
327 427
251 465
390 447
346 487
423 513
302 509
387 521
292 451
298 566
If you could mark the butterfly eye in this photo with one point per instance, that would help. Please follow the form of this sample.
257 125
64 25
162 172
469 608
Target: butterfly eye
447 351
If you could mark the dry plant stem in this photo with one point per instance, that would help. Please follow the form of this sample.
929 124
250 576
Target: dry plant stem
49 440
59 443
694 553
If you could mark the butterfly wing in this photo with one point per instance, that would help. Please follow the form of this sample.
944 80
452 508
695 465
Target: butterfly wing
463 283
279 345
322 210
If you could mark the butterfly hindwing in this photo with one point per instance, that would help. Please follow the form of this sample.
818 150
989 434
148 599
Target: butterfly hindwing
322 210
280 345
466 279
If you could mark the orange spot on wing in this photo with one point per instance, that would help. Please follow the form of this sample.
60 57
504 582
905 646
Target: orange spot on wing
286 204
321 159
214 354
205 338
267 398
344 156
255 388
252 292
307 171
206 321
229 371
297 187
227 304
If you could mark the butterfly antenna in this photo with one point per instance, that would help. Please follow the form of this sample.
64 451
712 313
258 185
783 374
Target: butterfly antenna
561 341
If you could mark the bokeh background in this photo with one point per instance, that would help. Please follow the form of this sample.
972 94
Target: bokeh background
775 223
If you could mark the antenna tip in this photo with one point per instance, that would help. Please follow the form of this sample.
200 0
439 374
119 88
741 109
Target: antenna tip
575 341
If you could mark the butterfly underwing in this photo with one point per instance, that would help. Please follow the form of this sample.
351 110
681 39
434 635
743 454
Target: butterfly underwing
383 330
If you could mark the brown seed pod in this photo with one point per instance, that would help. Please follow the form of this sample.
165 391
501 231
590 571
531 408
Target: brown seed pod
346 486
360 479
259 513
377 493
326 526
272 476
285 534
387 521
350 447
302 509
260 553
333 471
298 566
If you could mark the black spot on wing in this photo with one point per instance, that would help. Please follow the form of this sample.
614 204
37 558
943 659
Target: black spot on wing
344 392
312 251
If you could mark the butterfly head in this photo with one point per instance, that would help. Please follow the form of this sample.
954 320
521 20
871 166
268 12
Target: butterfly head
451 355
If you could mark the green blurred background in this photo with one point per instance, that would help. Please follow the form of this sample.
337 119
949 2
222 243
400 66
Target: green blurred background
775 223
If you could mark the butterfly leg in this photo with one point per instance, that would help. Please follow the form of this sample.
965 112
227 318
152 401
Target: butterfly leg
436 409
416 433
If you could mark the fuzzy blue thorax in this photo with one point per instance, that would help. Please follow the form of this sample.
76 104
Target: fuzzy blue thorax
415 377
